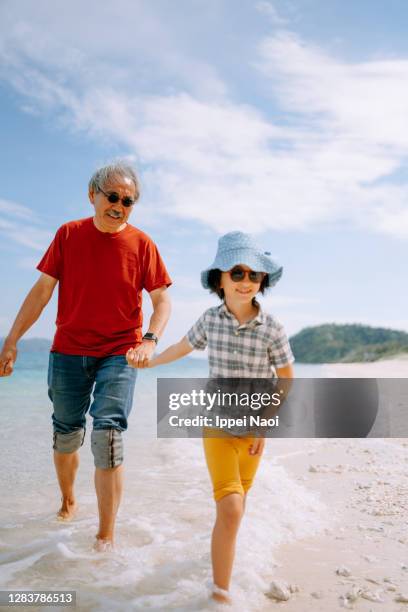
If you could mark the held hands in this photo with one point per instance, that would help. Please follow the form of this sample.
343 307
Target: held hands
140 357
8 356
257 446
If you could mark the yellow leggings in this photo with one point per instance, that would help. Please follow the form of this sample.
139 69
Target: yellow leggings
232 469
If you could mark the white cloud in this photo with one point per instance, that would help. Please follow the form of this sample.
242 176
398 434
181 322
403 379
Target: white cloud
212 159
15 210
359 114
365 101
270 10
22 231
129 44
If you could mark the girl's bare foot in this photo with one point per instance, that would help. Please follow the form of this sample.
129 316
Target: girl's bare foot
102 545
68 510
220 595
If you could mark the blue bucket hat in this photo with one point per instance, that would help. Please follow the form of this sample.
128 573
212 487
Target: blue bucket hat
237 248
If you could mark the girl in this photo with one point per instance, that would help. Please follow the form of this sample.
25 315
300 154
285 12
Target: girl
243 342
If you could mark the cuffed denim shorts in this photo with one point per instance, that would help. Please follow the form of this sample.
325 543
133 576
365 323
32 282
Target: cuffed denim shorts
102 385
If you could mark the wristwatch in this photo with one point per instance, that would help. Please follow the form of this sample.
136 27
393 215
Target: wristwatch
150 336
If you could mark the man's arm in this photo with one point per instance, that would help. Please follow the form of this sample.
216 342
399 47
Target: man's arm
32 307
161 311
140 356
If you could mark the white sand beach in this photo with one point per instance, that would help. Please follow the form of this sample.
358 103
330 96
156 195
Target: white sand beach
361 561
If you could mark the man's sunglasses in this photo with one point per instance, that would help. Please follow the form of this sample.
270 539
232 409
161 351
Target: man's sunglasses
114 198
238 274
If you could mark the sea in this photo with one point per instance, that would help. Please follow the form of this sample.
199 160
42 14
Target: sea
162 558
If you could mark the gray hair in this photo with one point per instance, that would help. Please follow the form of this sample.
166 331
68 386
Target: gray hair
105 174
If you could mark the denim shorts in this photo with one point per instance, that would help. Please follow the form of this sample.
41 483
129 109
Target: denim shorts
102 385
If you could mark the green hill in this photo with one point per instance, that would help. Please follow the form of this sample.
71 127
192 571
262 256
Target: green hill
332 343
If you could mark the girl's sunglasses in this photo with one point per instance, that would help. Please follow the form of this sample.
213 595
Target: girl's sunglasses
114 198
238 274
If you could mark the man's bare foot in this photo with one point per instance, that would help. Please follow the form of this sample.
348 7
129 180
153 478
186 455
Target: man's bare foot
67 511
103 545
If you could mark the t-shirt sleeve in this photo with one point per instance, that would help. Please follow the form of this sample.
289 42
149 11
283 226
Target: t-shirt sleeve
155 273
51 262
280 352
197 335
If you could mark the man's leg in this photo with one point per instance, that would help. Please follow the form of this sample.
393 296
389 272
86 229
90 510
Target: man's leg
107 448
70 385
66 465
66 461
109 487
113 397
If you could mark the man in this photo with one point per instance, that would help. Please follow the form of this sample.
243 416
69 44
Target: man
101 263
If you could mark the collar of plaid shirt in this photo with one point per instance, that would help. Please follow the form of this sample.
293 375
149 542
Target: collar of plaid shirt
258 320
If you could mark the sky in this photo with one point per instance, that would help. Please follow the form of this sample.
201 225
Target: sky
286 119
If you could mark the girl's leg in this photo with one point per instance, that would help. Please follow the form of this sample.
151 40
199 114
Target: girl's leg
230 510
223 465
248 464
229 513
232 470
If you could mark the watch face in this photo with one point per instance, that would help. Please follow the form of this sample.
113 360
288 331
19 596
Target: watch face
150 336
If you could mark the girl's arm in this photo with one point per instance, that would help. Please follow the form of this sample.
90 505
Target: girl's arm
284 374
172 353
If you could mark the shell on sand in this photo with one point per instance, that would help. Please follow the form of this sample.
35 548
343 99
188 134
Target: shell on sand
402 598
353 594
372 595
343 571
280 590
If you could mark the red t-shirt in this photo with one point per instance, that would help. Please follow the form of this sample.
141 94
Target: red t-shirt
101 277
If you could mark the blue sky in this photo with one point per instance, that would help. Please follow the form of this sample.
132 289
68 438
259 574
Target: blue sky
286 119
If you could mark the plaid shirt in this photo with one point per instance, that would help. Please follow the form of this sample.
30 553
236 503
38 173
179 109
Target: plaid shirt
251 350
